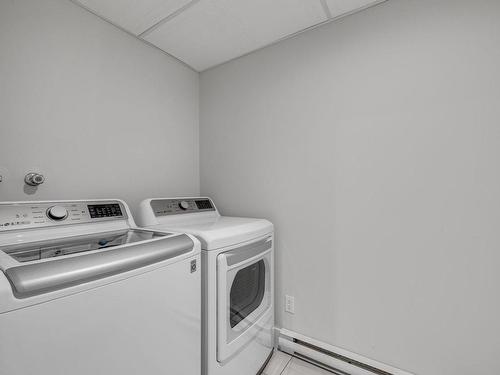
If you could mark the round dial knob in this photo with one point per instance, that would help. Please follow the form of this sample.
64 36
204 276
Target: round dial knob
57 213
184 205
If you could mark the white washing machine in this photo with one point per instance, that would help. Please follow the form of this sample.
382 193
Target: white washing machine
237 279
83 291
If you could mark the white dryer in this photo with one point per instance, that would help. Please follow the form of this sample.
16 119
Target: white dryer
237 279
83 291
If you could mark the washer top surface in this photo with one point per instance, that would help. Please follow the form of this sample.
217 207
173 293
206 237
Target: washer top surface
213 230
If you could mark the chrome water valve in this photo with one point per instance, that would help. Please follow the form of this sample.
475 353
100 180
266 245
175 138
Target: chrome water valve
34 179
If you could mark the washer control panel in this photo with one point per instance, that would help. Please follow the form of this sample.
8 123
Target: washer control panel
163 207
45 214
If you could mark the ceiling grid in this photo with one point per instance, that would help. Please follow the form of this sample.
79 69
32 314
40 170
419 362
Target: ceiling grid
206 33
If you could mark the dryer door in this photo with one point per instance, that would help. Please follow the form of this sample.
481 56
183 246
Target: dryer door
244 295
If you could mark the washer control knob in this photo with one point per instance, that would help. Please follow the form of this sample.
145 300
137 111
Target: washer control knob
57 213
184 205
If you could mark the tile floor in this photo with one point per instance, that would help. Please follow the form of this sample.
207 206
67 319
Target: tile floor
284 364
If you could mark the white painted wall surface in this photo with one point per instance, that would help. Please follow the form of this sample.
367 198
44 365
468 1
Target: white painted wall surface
100 113
373 144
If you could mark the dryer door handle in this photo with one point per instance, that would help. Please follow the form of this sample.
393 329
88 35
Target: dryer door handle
44 277
242 254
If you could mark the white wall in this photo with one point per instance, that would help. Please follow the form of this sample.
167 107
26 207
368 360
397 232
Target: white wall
100 113
373 144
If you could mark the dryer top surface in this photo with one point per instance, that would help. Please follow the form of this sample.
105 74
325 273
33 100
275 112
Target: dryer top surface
217 232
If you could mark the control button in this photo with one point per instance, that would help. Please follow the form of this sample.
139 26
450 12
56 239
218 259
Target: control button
184 205
57 213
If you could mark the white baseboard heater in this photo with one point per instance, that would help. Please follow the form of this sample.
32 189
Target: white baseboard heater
334 359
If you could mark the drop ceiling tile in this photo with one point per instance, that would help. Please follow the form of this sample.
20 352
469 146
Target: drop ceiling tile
211 32
134 15
339 7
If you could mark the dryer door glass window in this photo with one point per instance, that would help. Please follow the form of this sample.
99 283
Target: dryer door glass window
247 291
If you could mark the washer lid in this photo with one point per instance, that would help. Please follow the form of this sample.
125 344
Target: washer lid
38 277
222 231
45 249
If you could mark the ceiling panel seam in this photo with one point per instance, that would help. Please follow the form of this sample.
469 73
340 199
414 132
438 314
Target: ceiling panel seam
326 9
168 18
357 10
80 5
290 36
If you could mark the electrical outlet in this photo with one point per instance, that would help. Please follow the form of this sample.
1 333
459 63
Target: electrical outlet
290 304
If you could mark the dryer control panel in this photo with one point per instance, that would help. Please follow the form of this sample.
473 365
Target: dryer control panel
163 207
47 214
